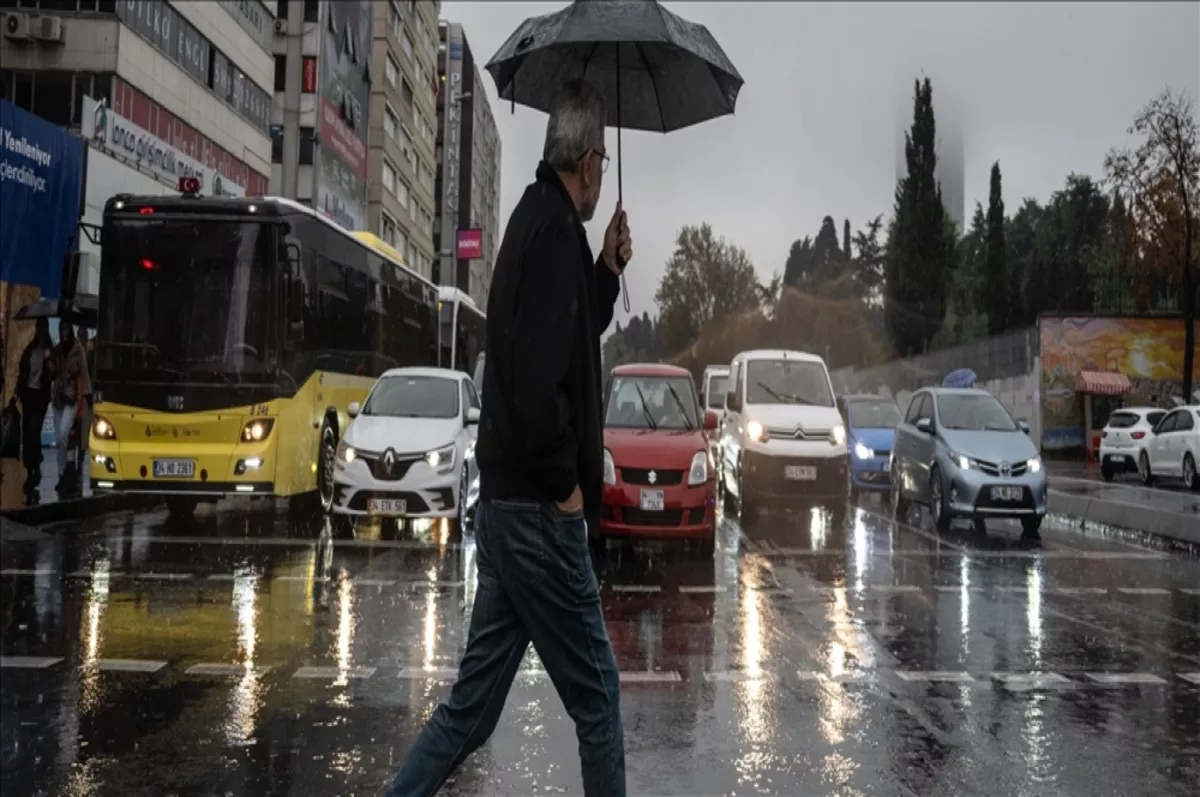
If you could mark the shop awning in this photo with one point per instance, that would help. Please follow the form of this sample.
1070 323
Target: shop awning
1102 383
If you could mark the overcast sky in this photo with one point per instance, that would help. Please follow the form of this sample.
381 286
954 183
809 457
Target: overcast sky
1044 88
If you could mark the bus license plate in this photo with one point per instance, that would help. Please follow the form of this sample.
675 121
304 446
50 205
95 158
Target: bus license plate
800 473
1008 493
387 506
652 501
174 468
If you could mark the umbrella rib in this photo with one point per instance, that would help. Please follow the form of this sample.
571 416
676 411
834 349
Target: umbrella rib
662 119
588 61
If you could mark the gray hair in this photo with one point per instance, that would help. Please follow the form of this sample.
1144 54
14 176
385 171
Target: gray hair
576 125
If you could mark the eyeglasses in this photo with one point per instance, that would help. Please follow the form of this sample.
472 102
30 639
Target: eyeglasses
603 155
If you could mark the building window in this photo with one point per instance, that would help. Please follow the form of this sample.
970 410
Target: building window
401 190
281 7
280 72
392 71
406 45
389 179
394 19
406 93
312 10
402 244
307 145
387 229
406 144
391 123
276 143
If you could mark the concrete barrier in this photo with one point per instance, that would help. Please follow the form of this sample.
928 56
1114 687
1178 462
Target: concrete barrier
1172 516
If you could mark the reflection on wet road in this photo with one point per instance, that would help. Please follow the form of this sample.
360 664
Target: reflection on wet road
240 655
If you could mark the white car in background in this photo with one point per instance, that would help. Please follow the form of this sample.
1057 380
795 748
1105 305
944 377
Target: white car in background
410 450
1123 438
1173 449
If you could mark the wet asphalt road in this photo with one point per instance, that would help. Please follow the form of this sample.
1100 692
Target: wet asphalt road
245 655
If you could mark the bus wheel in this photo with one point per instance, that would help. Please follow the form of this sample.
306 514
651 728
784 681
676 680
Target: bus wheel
180 507
325 459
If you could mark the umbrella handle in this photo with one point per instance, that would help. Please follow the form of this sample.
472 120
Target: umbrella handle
620 182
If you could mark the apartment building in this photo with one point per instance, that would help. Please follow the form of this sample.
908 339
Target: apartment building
467 227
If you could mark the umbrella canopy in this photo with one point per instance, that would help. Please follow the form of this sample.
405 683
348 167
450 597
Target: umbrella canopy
963 377
656 70
83 310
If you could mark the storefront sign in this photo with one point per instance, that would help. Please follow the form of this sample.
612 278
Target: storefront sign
308 82
123 139
469 244
255 18
344 88
41 172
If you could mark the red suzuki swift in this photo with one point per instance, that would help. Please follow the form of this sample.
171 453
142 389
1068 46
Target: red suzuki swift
658 474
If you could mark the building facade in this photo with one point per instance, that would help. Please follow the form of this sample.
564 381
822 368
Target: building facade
159 90
403 128
467 227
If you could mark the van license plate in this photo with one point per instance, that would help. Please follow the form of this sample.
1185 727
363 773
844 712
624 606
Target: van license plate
652 501
387 506
800 473
1008 493
174 468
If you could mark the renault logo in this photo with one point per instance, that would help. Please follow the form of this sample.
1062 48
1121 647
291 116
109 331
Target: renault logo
652 478
389 459
1005 469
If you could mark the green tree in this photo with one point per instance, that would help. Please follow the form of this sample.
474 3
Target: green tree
997 279
919 268
869 260
847 253
800 262
706 278
1161 178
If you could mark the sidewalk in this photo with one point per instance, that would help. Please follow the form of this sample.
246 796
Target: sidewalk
52 509
1078 491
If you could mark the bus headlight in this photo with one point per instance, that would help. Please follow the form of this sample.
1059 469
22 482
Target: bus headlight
257 430
441 460
103 429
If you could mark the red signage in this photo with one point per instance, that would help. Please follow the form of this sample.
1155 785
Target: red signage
469 244
308 81
342 138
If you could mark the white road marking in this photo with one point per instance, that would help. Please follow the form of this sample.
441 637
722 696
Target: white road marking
934 676
334 672
1144 590
1011 588
96 574
127 665
636 588
1191 677
16 571
301 578
432 584
693 589
948 587
161 576
29 662
1078 591
372 582
737 676
892 588
430 673
1189 591
822 677
1029 681
222 576
1124 678
225 669
650 677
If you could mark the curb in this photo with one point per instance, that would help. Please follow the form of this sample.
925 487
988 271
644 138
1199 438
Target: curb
1176 526
80 508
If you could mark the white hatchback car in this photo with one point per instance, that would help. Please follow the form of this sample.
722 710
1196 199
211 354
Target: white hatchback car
1173 450
410 450
1124 436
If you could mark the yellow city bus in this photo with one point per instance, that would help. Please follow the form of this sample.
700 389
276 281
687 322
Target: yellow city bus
463 329
233 335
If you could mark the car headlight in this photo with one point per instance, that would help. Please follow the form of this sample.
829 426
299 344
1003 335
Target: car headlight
346 453
1034 465
257 430
963 462
837 435
441 460
103 429
755 431
610 470
862 452
698 472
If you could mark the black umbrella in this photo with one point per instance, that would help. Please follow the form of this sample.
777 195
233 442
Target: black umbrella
82 310
656 70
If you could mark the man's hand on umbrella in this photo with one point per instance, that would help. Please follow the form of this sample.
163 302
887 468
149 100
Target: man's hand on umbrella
618 245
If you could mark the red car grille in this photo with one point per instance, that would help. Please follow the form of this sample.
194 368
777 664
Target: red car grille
642 476
667 517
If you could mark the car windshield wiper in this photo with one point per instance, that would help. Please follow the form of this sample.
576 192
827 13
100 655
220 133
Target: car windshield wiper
645 407
771 392
683 410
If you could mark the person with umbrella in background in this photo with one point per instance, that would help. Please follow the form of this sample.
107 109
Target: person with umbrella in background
35 377
71 383
540 458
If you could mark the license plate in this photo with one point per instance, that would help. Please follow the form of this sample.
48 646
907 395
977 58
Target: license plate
387 506
652 501
174 468
1007 493
800 473
1118 457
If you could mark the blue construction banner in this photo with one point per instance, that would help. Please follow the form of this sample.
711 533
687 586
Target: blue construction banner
41 171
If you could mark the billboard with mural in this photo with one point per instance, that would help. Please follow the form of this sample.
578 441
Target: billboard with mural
41 173
1147 350
344 99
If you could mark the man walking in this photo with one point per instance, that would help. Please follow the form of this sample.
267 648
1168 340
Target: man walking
540 457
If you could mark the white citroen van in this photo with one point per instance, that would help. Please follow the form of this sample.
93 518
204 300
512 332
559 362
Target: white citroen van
783 440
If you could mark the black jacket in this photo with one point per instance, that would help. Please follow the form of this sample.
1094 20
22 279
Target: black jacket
540 430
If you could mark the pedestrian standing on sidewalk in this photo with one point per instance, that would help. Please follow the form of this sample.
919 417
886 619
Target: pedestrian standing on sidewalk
86 408
71 384
35 379
540 458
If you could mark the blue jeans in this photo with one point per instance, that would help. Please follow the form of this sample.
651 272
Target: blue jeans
536 584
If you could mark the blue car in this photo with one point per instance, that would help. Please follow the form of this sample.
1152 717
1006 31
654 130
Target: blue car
870 431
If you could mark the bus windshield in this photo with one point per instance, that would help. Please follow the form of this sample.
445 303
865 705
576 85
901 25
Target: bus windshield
187 300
